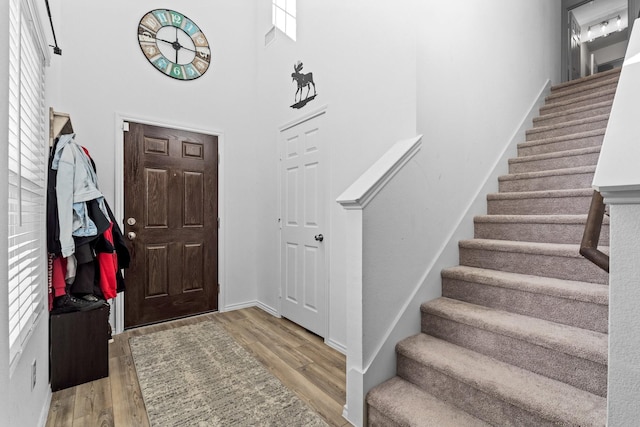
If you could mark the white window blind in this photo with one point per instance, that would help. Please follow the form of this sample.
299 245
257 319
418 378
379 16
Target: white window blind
27 148
284 16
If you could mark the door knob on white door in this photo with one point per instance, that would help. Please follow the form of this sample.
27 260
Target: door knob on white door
319 237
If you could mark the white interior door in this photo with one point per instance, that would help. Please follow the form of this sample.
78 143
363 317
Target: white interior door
303 227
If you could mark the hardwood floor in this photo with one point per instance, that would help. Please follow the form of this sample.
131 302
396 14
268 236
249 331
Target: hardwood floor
301 360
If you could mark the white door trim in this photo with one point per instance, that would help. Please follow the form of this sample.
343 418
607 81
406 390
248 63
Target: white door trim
327 205
117 304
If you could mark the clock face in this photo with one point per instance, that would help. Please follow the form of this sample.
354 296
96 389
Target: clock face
174 44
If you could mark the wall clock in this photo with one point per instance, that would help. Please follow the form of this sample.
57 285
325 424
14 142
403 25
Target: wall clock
174 44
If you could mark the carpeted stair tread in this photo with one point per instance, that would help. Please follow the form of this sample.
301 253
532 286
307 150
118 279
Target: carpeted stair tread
536 228
568 128
555 160
574 192
551 249
570 289
580 304
591 137
598 77
584 111
573 341
537 219
547 202
554 179
561 261
581 90
547 173
551 400
405 404
554 105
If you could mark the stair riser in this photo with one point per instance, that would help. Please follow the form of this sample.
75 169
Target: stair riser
555 107
601 78
554 120
581 373
376 418
539 133
572 94
562 145
557 182
561 267
540 206
541 233
587 159
485 406
570 312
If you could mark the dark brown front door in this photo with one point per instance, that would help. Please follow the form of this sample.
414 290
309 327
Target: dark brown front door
171 217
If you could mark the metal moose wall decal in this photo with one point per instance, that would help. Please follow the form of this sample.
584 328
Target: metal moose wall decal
303 80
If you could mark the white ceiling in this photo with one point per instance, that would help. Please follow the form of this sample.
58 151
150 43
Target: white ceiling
597 10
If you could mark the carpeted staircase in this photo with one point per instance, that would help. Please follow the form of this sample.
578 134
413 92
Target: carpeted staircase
519 336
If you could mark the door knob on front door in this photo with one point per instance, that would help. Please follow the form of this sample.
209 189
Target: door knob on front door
131 235
131 221
319 237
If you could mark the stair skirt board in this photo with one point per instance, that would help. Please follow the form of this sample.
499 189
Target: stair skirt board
519 336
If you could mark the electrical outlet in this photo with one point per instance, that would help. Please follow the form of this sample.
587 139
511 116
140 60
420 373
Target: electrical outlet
33 375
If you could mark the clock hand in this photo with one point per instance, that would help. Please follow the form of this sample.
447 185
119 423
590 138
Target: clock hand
180 46
166 41
177 44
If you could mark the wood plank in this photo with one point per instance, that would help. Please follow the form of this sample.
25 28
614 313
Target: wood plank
324 380
128 406
61 408
102 419
92 399
326 407
326 356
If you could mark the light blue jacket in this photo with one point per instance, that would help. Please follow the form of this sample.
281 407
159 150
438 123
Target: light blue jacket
76 184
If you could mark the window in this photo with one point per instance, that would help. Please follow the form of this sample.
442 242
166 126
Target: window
284 16
27 180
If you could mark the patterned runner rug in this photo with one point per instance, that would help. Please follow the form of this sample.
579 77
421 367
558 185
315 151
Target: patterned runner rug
198 375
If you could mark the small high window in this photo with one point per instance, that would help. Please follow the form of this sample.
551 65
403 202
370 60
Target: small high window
284 16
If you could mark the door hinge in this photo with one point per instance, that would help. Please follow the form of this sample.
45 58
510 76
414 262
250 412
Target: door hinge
125 126
218 222
218 288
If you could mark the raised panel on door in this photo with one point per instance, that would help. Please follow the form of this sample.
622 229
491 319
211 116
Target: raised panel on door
193 199
156 195
291 273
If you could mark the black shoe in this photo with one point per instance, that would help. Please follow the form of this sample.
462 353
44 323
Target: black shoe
69 303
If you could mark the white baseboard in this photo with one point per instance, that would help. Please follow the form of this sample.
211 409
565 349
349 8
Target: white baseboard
336 346
248 304
45 409
272 311
238 306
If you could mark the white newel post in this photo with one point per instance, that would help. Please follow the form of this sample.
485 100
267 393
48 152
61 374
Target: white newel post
354 406
618 179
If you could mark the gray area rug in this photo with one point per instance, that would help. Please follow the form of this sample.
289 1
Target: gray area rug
198 375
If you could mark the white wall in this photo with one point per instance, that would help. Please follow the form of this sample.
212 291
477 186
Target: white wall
474 90
103 72
610 53
362 56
